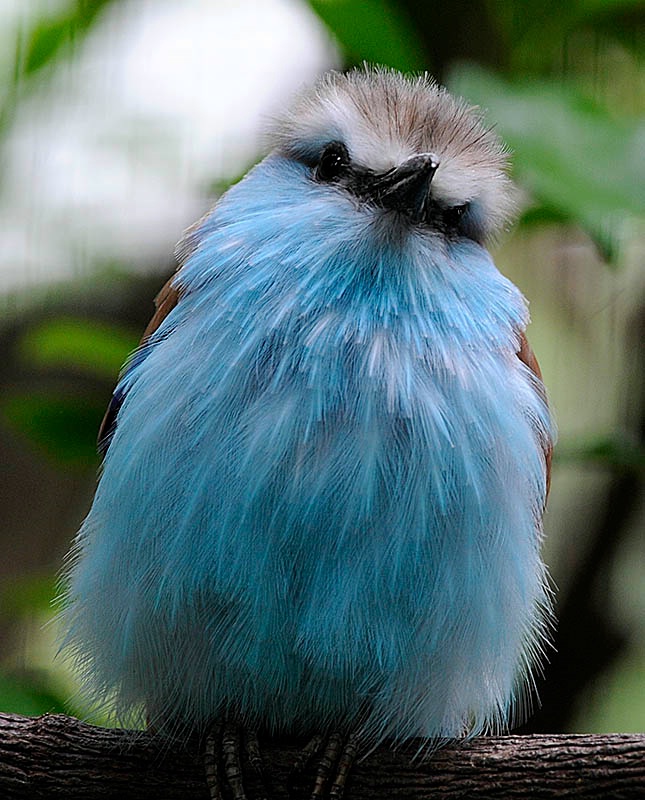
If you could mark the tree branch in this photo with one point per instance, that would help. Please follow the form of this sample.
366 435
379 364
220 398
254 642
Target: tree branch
54 756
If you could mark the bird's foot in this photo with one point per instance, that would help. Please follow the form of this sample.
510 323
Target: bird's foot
223 762
333 756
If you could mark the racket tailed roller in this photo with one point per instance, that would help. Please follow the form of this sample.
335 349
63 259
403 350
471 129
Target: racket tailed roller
326 466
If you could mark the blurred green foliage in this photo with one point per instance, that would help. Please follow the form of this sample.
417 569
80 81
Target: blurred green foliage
86 344
619 453
50 37
30 694
33 593
60 422
62 426
376 31
28 691
537 34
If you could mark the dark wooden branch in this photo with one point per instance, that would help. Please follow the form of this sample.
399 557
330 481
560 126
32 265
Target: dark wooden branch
54 756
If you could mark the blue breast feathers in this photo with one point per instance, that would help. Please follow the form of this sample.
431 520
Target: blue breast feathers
322 502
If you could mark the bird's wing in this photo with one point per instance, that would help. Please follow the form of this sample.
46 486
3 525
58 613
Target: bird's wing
526 355
165 301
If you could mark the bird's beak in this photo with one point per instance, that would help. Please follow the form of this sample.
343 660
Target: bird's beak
406 188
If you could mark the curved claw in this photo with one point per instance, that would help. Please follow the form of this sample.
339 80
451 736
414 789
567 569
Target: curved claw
223 766
233 761
345 763
333 766
211 766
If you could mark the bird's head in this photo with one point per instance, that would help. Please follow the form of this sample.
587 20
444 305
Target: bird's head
403 147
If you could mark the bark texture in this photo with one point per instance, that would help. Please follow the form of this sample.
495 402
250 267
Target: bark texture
54 756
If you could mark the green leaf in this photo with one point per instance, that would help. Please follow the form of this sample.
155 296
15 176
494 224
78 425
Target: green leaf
95 347
45 39
62 426
377 31
572 154
50 36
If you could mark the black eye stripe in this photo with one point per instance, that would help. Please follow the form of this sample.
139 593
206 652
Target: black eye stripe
334 166
334 160
464 220
454 215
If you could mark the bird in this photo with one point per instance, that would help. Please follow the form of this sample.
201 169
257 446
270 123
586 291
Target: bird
325 468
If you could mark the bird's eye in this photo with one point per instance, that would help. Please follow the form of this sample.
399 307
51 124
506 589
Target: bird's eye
453 216
465 220
333 162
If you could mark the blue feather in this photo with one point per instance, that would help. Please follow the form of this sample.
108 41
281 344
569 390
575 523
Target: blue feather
322 502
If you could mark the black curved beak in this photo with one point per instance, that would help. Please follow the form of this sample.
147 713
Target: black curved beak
406 188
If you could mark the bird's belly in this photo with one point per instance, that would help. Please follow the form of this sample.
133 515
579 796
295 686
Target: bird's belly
303 566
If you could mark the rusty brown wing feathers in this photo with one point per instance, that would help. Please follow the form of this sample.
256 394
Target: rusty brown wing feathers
526 355
165 301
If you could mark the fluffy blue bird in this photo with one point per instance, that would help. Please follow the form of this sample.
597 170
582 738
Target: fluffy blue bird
326 466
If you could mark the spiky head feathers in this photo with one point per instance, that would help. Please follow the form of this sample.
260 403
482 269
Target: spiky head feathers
384 119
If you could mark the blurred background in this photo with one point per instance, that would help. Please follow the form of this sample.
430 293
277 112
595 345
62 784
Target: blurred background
121 121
